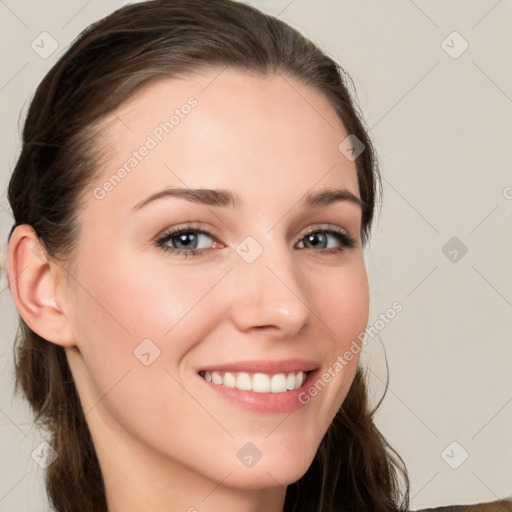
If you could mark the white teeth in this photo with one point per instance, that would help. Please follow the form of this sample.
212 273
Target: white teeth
278 383
290 381
216 377
229 380
258 382
244 381
261 383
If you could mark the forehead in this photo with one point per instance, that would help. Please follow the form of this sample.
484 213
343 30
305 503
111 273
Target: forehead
226 128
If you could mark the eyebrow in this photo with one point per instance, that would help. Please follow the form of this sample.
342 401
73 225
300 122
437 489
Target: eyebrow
225 198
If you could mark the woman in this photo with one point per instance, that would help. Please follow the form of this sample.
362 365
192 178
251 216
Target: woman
191 323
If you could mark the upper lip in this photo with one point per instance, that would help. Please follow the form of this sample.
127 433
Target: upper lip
265 366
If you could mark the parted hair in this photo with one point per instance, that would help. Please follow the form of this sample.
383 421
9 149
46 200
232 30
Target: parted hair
354 469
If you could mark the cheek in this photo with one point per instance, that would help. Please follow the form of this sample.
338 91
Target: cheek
127 301
130 315
342 303
341 300
141 300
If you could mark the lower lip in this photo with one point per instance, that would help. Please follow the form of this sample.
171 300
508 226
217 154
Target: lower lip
270 403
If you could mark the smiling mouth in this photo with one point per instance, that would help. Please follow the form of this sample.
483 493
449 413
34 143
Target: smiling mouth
257 382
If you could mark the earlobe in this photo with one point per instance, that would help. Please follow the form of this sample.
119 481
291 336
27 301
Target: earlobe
33 287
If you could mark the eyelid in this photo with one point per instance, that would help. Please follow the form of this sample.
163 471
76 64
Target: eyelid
325 226
211 231
192 226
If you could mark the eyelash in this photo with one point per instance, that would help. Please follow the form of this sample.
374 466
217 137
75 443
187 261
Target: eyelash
345 240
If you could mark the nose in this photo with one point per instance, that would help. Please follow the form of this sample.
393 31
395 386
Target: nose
270 293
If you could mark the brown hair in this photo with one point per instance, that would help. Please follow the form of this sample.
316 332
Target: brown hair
354 469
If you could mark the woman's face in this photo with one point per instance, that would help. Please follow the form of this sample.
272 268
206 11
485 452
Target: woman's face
262 285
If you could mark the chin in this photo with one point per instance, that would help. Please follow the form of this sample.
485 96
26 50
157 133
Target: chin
273 472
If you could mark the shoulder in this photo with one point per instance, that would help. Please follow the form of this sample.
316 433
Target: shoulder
492 506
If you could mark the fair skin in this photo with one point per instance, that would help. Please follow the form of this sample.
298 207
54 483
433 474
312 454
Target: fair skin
167 440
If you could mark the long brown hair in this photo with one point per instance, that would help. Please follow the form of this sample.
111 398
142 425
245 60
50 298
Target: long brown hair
354 469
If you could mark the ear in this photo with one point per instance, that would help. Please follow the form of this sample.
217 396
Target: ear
33 281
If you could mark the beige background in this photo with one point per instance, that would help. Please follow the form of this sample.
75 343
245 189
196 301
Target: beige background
442 127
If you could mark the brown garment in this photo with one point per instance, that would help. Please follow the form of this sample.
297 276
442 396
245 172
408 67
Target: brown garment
493 506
